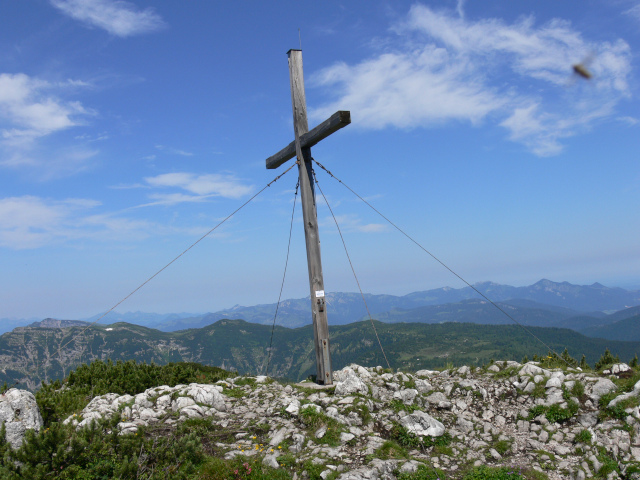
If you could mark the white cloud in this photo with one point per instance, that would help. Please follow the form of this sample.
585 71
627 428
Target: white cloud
542 131
29 112
118 17
631 121
52 164
634 12
352 223
408 90
174 151
199 187
30 222
515 75
174 198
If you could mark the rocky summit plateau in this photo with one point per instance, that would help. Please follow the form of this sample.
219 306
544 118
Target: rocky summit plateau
524 420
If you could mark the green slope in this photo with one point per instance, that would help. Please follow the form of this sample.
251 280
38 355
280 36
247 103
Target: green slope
29 355
629 328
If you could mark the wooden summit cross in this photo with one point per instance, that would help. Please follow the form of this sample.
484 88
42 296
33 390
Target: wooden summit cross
301 148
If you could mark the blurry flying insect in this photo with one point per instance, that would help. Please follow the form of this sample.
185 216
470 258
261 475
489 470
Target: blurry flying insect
582 68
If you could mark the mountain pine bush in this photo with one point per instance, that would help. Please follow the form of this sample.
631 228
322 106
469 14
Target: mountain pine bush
58 399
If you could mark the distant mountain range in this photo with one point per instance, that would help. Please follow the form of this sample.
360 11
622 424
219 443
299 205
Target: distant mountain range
594 310
51 350
420 330
343 308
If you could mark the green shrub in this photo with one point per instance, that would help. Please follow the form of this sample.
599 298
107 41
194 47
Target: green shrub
57 400
97 452
606 360
399 406
609 464
424 472
502 446
241 468
314 419
361 409
390 449
618 410
494 473
578 389
583 363
553 360
504 473
409 439
583 436
554 413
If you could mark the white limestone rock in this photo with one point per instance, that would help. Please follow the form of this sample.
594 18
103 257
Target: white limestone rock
530 369
294 407
422 424
350 383
406 396
620 368
423 386
271 460
439 401
19 413
206 395
182 402
553 382
602 387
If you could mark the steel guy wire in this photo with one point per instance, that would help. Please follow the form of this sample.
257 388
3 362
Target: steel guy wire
176 258
441 262
284 275
352 268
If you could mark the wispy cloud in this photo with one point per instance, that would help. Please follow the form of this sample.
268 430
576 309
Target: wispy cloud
118 17
447 68
50 164
31 222
29 112
174 151
631 121
352 223
198 187
634 12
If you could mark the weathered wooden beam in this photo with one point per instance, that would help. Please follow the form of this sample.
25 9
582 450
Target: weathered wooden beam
324 371
335 122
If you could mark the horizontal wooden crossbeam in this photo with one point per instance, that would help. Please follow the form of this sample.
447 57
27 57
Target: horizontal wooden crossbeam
335 122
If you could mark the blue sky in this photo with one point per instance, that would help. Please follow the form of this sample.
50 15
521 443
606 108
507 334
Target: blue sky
128 129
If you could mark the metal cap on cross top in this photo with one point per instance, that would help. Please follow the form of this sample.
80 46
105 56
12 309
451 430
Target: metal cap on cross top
301 149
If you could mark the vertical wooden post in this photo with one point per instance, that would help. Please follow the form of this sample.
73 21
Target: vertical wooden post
310 217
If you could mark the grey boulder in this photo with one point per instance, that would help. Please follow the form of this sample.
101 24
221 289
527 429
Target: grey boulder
19 413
